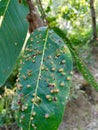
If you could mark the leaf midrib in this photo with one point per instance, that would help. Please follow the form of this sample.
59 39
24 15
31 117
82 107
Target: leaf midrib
37 84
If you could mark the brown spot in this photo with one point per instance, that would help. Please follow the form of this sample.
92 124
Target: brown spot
55 99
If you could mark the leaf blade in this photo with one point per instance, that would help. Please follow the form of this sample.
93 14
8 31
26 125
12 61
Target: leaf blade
3 6
13 31
45 86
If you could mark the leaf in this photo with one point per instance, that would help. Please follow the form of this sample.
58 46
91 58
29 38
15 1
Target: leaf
23 2
43 82
3 6
13 31
1 104
82 67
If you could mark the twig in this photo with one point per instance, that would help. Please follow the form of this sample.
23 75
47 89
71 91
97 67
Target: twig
33 17
42 11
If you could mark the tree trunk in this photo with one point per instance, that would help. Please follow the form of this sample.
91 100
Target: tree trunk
93 15
33 17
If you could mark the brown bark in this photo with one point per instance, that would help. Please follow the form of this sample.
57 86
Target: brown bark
33 17
93 15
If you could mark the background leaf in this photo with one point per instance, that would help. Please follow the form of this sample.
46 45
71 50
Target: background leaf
3 6
43 82
13 31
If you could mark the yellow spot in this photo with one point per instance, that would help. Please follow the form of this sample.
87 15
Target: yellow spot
42 68
33 125
24 77
48 96
68 78
52 91
19 86
51 62
49 57
34 113
34 94
63 73
33 100
71 72
29 72
46 116
28 86
63 61
53 69
62 84
60 70
33 61
31 118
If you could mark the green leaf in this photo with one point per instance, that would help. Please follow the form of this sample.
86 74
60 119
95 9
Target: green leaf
23 2
3 6
82 67
43 82
13 31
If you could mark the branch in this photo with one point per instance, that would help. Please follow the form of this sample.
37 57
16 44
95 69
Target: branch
33 17
93 15
42 12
